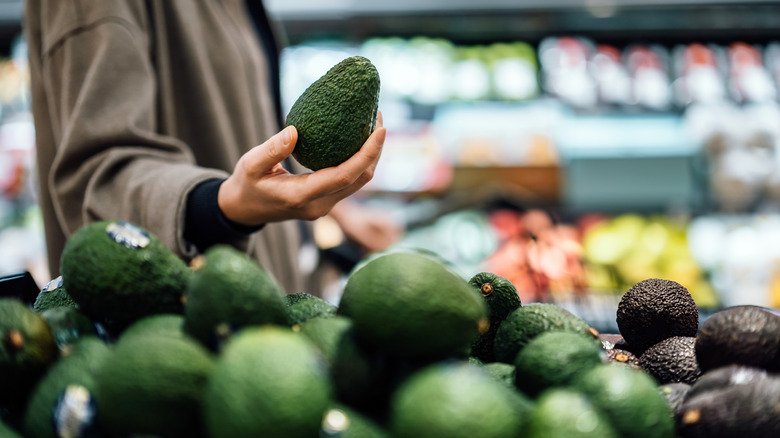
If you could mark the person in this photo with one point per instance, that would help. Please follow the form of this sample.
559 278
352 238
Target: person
167 114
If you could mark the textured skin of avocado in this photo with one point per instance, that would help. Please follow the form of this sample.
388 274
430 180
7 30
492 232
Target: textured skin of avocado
117 280
526 322
559 413
228 291
336 114
501 297
741 335
738 410
653 310
672 360
301 306
53 295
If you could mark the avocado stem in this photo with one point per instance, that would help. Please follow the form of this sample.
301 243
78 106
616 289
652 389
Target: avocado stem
15 339
487 289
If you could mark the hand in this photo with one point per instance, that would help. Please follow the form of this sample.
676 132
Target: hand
260 190
372 229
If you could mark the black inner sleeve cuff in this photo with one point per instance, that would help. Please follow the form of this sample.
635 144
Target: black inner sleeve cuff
205 224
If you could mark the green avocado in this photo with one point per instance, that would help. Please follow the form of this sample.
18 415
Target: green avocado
53 295
227 292
302 306
405 304
118 273
27 349
52 410
336 114
501 298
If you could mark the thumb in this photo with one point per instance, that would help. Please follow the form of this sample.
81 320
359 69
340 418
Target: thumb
266 156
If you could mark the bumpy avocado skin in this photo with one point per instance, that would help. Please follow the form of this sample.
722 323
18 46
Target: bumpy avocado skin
336 114
501 298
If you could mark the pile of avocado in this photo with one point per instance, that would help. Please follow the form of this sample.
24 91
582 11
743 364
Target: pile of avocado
216 349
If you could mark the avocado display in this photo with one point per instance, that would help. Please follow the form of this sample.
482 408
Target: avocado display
268 381
63 401
567 413
656 309
118 273
27 350
502 299
630 400
53 295
748 409
454 399
336 114
526 322
554 358
302 306
153 385
672 360
408 305
740 335
228 291
725 376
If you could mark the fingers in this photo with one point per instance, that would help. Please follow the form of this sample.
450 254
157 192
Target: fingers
358 167
262 158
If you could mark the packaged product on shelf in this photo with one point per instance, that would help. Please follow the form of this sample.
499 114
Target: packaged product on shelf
749 80
650 82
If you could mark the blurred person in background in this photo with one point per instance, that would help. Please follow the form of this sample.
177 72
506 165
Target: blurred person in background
167 114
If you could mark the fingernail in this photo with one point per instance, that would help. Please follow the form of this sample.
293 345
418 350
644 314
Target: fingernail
380 136
287 135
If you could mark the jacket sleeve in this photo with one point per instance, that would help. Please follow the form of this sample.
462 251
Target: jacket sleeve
110 162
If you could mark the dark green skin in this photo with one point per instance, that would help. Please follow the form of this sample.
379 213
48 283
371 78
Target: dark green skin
27 349
502 299
115 284
740 335
53 295
553 359
230 291
79 367
738 410
406 304
68 325
302 306
336 114
526 322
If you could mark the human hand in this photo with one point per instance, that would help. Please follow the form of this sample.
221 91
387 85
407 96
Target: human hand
372 229
260 190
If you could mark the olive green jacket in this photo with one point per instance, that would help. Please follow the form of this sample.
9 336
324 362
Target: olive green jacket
134 107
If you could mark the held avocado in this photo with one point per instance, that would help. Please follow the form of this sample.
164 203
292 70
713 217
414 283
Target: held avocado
336 114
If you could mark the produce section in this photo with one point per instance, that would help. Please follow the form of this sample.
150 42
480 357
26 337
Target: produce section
592 215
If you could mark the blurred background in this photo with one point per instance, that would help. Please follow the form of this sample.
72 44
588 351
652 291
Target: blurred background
572 146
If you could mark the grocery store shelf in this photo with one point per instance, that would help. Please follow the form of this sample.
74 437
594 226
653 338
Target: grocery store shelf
491 20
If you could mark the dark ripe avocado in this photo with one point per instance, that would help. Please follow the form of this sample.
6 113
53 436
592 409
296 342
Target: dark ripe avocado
722 377
118 273
655 309
739 410
744 335
672 360
501 297
336 114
